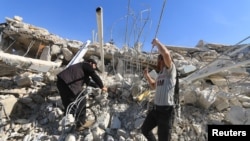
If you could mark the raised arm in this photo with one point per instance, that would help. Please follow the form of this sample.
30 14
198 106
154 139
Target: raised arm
150 80
164 52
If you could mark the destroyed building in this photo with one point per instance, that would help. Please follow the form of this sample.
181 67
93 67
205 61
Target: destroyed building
214 87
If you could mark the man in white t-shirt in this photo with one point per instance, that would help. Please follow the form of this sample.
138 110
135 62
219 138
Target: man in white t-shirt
162 114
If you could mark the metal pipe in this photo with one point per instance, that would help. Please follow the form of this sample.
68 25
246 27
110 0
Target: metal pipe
99 16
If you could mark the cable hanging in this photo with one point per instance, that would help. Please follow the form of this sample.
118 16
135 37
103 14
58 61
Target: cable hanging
127 23
158 26
162 11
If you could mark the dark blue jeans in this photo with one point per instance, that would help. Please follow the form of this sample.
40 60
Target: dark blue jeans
162 117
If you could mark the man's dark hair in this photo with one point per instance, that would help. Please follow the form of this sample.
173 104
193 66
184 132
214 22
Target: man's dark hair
160 57
93 62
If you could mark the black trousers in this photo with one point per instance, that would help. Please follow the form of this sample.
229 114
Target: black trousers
163 118
67 97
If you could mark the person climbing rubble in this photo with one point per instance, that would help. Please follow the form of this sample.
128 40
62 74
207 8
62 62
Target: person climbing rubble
70 83
162 113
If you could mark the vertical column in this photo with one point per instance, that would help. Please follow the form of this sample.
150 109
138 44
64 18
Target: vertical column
99 16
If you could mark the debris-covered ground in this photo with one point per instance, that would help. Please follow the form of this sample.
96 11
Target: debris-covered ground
214 88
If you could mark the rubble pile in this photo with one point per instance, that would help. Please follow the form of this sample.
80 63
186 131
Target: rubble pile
31 108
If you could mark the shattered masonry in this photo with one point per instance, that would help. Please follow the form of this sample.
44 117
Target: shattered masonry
214 87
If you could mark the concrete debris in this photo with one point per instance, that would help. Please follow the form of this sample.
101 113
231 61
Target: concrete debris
214 88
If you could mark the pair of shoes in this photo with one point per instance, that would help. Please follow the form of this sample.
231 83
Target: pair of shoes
81 126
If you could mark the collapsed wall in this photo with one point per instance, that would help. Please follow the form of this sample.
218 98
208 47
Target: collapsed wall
31 107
